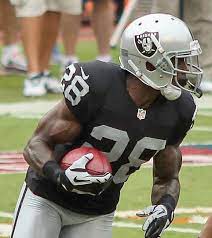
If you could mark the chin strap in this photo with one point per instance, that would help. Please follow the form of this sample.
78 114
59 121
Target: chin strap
171 92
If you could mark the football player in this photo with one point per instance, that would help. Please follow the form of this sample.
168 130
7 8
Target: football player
133 112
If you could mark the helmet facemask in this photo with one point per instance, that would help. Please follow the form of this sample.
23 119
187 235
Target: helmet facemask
189 78
186 75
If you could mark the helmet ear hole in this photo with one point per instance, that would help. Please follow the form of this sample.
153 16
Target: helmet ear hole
150 67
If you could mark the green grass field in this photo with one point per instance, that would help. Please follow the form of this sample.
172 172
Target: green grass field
195 192
195 181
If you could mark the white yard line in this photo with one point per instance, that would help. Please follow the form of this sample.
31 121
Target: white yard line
205 102
198 220
26 109
202 128
205 113
193 143
171 229
131 213
195 210
6 214
5 229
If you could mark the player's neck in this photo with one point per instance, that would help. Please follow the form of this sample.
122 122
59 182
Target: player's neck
141 94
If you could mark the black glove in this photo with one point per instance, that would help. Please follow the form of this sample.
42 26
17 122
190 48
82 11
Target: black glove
54 173
159 218
75 178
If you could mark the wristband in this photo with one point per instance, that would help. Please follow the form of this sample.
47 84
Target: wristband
168 201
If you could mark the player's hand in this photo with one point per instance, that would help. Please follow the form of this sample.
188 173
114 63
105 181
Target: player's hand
76 175
159 217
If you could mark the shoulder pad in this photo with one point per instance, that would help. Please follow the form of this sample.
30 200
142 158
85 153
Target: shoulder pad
186 107
101 74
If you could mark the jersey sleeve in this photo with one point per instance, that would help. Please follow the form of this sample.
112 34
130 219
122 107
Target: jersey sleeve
79 92
187 114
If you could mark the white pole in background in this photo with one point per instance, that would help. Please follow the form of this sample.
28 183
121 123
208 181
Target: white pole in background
123 22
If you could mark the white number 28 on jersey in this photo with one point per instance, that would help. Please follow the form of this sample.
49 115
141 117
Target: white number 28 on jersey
122 140
78 86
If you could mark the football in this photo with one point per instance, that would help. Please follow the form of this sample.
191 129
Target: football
99 165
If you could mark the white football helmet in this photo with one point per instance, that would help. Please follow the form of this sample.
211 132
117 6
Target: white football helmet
152 47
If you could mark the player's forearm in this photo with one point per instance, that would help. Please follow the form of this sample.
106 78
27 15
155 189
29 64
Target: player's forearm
37 153
167 164
162 188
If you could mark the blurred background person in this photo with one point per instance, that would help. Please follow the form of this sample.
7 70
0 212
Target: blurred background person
70 38
198 15
12 58
102 20
40 20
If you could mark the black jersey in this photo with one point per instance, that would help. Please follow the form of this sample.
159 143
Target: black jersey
96 93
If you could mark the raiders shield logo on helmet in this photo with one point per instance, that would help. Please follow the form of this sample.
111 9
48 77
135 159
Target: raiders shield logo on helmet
145 44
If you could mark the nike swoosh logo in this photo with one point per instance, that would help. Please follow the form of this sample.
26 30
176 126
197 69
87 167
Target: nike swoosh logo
162 212
85 155
76 180
83 74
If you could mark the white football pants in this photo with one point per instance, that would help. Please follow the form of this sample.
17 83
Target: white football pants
36 217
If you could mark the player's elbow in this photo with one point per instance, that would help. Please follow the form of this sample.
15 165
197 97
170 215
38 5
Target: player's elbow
167 164
30 151
172 152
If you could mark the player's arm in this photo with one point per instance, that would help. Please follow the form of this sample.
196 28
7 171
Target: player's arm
58 126
167 163
166 185
166 167
165 191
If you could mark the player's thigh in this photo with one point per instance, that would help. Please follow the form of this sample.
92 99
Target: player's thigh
100 227
35 218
